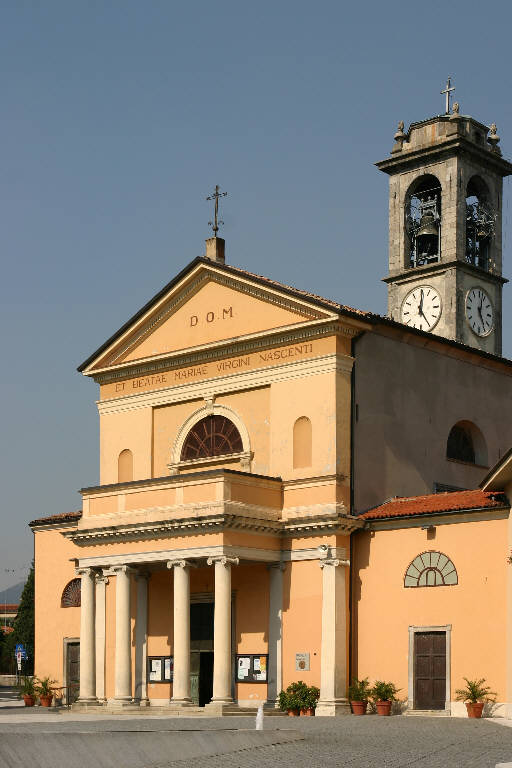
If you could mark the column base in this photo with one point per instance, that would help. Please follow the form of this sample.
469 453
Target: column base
82 705
220 706
182 702
271 704
332 708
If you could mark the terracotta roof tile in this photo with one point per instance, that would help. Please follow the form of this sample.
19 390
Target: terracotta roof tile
436 503
64 517
8 607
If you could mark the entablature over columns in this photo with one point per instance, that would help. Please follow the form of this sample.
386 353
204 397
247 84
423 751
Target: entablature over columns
139 563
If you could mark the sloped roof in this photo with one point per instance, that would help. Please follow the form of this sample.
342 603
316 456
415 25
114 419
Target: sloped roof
436 503
63 517
321 301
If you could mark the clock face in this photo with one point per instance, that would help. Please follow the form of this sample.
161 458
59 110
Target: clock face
422 308
479 311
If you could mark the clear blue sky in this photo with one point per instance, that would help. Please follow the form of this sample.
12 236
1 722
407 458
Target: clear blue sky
117 119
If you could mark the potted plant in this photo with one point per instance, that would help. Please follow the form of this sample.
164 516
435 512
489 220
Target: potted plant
27 691
474 695
383 694
45 689
291 700
358 694
310 696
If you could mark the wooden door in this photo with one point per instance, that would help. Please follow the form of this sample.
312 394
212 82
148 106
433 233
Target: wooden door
73 672
429 670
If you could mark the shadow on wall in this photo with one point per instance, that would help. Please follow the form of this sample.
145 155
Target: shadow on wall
360 561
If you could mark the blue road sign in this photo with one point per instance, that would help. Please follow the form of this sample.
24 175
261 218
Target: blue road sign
20 648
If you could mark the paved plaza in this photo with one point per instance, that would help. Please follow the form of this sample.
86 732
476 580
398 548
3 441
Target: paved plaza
357 742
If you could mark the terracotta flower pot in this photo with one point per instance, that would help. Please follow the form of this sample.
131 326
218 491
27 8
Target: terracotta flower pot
309 712
293 712
29 700
46 701
359 707
474 708
383 707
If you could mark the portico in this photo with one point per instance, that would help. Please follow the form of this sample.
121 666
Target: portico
131 583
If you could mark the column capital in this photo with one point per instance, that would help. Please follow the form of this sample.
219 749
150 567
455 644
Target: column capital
179 564
334 561
223 560
128 569
276 566
85 571
101 578
142 575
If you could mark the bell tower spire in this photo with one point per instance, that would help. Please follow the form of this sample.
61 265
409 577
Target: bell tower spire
445 216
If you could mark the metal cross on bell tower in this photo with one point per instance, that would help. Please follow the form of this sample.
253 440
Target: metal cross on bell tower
216 221
448 90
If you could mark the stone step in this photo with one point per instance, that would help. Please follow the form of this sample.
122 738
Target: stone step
427 713
170 711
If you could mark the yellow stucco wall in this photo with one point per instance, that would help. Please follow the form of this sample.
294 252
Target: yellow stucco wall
476 607
53 570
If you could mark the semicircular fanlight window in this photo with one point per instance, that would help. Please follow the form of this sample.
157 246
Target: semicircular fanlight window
212 436
71 595
431 569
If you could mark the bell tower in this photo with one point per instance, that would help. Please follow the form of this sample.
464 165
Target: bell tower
445 217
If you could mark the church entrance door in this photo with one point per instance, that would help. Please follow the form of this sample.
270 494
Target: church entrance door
201 652
429 670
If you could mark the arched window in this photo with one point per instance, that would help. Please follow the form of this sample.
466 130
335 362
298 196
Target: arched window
480 219
423 221
302 443
212 436
71 594
466 443
125 467
431 569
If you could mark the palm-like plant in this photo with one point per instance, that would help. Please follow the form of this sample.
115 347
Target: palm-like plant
359 690
475 690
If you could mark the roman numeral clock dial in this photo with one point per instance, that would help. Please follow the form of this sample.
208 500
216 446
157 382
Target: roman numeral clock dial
479 312
422 308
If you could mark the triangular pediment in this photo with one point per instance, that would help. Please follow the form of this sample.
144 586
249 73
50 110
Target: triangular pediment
208 306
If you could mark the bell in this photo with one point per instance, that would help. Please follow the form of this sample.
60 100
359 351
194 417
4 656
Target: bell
427 226
426 236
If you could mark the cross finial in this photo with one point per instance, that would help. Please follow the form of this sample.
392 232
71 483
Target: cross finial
449 88
216 221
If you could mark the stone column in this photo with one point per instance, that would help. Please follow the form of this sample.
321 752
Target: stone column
101 582
141 639
275 634
87 637
123 660
181 638
222 631
333 675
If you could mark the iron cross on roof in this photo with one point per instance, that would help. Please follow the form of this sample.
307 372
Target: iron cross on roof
449 88
216 221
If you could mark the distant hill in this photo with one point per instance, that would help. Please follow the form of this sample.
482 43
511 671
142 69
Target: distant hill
12 594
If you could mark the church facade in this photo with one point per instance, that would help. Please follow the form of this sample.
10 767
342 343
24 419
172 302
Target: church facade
250 435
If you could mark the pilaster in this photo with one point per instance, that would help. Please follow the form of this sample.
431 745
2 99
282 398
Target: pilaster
333 675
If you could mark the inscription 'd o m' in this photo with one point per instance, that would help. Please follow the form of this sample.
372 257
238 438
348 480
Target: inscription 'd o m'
210 317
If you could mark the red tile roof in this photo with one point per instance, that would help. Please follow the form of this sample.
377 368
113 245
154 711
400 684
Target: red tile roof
7 630
435 503
9 607
64 517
